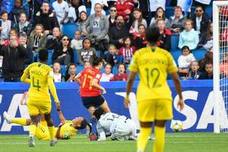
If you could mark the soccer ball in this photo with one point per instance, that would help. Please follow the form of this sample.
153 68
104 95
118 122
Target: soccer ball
177 125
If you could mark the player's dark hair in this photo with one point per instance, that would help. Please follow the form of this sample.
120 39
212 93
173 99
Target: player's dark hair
96 61
152 35
83 125
43 55
98 112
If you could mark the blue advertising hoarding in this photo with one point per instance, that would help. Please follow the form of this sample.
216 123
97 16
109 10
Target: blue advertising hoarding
197 115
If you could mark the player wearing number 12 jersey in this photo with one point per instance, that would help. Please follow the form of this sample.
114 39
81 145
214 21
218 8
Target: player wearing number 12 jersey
40 77
153 64
91 90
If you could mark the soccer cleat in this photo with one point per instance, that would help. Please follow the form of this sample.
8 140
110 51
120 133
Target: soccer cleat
53 142
31 142
7 117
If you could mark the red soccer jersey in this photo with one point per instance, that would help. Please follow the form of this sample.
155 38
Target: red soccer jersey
87 76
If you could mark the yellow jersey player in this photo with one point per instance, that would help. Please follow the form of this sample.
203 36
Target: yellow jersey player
40 77
66 129
154 101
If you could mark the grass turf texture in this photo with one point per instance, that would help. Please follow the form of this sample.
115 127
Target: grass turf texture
175 142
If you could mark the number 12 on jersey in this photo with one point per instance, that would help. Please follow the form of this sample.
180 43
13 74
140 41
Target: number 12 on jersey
152 77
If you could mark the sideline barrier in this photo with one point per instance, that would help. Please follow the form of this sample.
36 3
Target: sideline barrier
197 115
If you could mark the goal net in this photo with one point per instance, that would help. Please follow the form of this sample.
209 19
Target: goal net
220 64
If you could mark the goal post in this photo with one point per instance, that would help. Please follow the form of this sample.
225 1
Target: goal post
220 51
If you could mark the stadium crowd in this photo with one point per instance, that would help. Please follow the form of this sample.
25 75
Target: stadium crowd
111 29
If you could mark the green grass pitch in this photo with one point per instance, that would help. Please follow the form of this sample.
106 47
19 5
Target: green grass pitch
175 142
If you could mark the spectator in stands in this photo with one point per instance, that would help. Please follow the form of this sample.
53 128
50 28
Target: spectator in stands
118 32
208 58
224 65
76 43
73 13
37 40
200 20
112 16
138 19
87 53
159 14
139 40
13 60
113 57
70 73
64 55
184 61
127 50
164 40
23 41
16 11
185 5
97 27
54 39
177 20
189 37
122 75
46 18
107 75
194 72
57 72
23 25
154 5
6 42
82 23
125 8
208 74
144 7
206 39
103 3
61 10
5 26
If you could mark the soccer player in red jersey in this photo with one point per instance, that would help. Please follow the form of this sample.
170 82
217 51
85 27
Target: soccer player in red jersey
90 89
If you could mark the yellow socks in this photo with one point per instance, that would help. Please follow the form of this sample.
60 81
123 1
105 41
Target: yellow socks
52 132
32 130
20 121
143 138
159 139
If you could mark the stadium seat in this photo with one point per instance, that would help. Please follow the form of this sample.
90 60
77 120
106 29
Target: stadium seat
169 11
174 41
76 60
199 53
69 29
63 70
176 53
50 53
88 10
115 69
208 11
79 68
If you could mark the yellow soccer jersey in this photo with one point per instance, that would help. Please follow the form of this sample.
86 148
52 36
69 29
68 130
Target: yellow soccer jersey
67 130
40 77
153 67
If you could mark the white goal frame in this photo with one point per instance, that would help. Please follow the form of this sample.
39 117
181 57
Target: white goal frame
216 63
